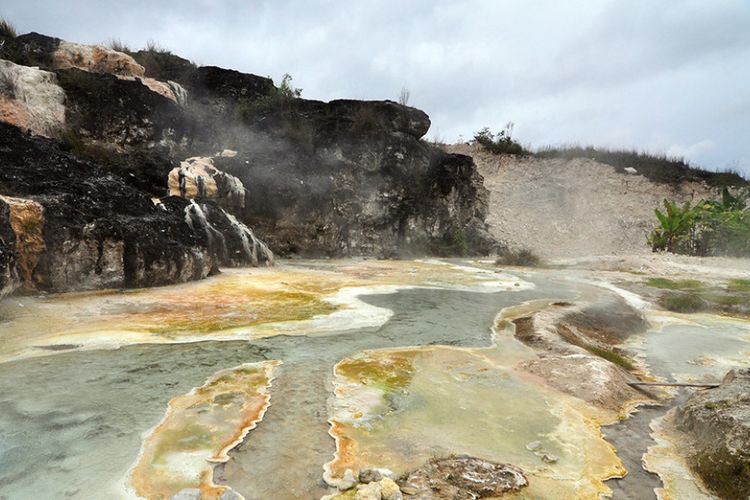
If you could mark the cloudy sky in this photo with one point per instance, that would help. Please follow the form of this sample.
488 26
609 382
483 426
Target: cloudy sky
668 76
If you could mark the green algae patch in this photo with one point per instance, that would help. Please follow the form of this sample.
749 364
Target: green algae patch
683 302
668 284
611 356
390 373
738 285
199 429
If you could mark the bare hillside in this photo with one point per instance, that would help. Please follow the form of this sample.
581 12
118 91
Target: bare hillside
572 207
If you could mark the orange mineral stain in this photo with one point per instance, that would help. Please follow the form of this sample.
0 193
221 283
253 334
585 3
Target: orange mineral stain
198 431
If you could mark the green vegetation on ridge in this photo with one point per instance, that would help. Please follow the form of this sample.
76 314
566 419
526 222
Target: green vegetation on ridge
710 227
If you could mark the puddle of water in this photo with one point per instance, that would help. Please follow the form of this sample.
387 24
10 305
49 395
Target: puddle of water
238 304
72 422
198 431
694 347
399 408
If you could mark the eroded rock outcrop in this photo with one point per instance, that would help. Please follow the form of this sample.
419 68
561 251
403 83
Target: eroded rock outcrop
31 99
312 178
198 178
56 54
101 231
718 424
120 111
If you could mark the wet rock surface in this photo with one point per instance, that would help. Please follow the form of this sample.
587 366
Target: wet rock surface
101 231
578 351
462 477
718 422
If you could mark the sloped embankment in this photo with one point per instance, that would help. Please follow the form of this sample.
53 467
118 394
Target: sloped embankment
572 207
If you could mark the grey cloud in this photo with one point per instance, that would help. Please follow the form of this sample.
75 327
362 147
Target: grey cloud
665 76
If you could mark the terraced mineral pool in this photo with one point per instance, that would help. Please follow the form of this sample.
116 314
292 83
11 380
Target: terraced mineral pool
147 392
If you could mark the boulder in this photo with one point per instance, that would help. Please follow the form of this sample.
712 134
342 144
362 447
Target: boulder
31 99
718 424
462 478
96 59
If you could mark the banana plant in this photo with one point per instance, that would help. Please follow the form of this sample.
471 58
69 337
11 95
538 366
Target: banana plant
676 227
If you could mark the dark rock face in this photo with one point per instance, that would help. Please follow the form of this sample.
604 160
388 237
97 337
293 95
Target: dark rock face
718 422
354 178
31 49
119 111
212 82
462 478
322 179
99 230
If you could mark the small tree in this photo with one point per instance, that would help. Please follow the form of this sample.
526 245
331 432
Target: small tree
404 96
500 143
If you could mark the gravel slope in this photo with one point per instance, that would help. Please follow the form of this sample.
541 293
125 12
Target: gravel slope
571 208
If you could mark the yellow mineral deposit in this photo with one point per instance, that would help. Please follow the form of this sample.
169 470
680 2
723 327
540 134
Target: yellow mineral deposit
27 222
238 304
396 409
198 431
667 460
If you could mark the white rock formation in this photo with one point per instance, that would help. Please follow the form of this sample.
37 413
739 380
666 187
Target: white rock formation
198 178
31 99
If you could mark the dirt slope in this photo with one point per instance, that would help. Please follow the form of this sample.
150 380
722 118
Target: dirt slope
572 208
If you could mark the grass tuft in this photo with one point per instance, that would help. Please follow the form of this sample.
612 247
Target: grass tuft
683 302
738 285
119 46
674 284
523 257
611 356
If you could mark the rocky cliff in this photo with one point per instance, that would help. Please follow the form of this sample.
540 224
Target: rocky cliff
233 150
717 421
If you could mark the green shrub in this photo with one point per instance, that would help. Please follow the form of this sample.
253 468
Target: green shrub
683 302
713 227
674 284
279 100
500 143
523 257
